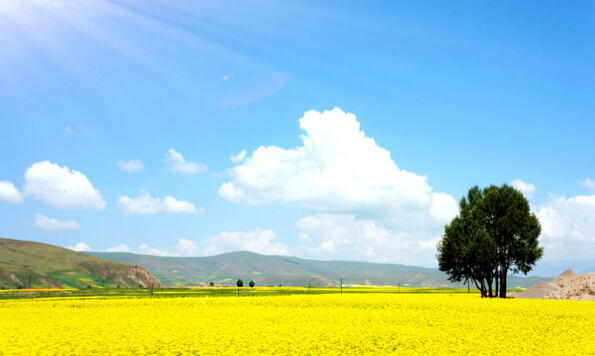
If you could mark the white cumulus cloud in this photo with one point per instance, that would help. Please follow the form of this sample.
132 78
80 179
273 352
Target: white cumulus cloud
177 163
571 219
340 236
171 205
120 248
527 189
259 241
49 224
184 248
133 165
146 204
9 193
80 247
144 249
60 187
589 184
338 169
568 227
239 157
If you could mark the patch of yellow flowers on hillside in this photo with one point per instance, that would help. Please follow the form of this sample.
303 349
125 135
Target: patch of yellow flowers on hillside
354 323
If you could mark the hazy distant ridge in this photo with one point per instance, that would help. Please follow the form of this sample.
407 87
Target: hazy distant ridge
287 271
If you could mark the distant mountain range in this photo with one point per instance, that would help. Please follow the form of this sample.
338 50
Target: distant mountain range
25 264
225 269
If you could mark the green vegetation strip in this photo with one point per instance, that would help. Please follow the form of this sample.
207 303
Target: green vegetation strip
209 292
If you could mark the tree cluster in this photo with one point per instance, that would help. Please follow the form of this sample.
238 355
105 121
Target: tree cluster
495 233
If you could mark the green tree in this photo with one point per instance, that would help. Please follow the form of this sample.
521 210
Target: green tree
465 251
514 230
494 234
251 284
239 283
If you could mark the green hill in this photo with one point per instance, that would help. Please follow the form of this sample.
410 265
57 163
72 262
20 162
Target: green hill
25 264
287 271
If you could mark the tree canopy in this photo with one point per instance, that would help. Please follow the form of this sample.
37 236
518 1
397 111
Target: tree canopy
495 233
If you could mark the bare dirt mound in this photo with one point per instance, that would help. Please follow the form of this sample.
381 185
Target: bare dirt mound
568 285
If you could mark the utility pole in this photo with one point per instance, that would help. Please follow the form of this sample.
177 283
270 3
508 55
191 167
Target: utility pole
341 285
29 280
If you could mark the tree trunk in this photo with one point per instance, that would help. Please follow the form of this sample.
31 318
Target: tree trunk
504 272
490 289
489 280
497 274
478 287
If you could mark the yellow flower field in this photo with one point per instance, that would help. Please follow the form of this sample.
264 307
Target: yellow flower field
354 323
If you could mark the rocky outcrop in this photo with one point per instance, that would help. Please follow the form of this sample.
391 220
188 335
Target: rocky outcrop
568 285
12 278
143 277
124 275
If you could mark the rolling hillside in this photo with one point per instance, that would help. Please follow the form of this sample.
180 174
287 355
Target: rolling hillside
25 264
288 271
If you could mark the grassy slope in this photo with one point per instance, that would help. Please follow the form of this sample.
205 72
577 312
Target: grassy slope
288 271
52 266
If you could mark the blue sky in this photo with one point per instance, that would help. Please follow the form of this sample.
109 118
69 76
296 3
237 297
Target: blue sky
319 129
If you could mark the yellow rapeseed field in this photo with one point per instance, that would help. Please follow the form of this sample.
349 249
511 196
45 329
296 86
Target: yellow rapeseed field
354 323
